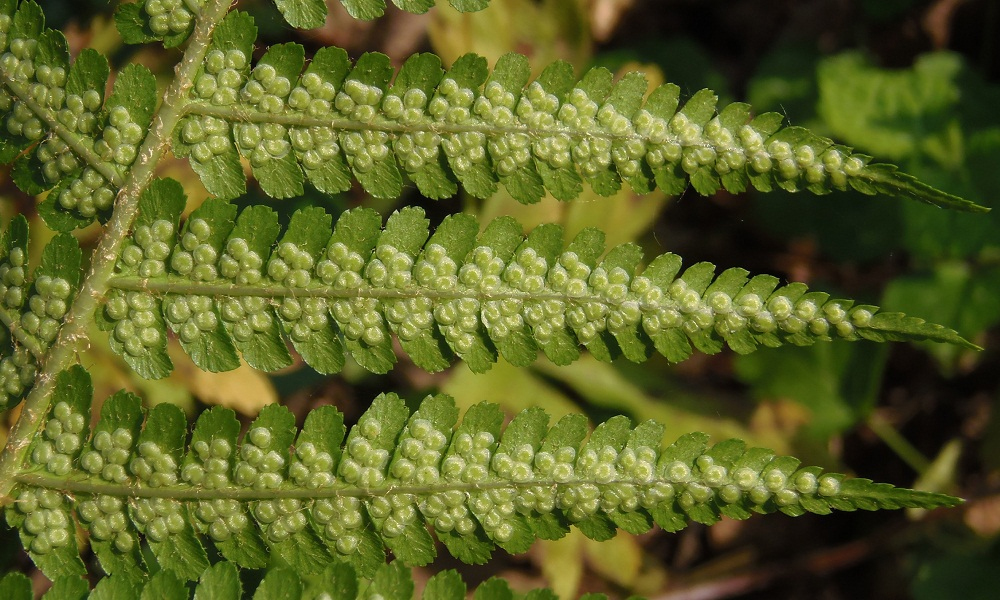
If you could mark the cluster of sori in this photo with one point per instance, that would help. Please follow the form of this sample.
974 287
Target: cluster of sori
17 369
195 256
207 135
451 104
360 319
89 193
458 319
41 88
17 372
18 64
467 462
148 254
60 441
158 518
419 453
311 468
136 324
358 101
218 84
416 149
209 465
525 274
540 110
341 522
171 17
193 315
120 138
603 470
394 269
828 167
365 464
581 113
261 467
292 267
13 277
46 308
107 520
250 315
265 92
246 317
313 145
47 520
512 151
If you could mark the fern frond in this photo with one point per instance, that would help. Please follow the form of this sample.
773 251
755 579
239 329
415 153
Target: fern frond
171 21
31 308
333 122
223 286
309 496
222 581
56 123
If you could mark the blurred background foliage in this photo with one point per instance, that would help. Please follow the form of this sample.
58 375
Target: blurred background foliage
915 82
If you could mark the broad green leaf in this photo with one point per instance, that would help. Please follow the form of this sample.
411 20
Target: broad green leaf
303 14
392 582
17 586
67 588
220 582
444 585
164 586
279 584
113 587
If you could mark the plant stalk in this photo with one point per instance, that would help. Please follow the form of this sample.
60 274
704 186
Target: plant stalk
63 352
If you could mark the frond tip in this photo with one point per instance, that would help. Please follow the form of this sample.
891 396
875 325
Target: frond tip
223 285
311 495
329 122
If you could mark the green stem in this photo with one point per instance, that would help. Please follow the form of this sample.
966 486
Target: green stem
179 285
189 492
898 444
63 352
243 114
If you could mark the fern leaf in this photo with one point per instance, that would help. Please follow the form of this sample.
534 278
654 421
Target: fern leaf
171 21
32 308
334 122
222 581
56 123
306 499
230 285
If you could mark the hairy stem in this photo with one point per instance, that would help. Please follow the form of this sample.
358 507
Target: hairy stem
180 285
189 492
63 352
242 115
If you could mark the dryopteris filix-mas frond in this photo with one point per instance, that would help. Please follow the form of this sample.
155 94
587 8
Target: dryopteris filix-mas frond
311 495
333 122
230 282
